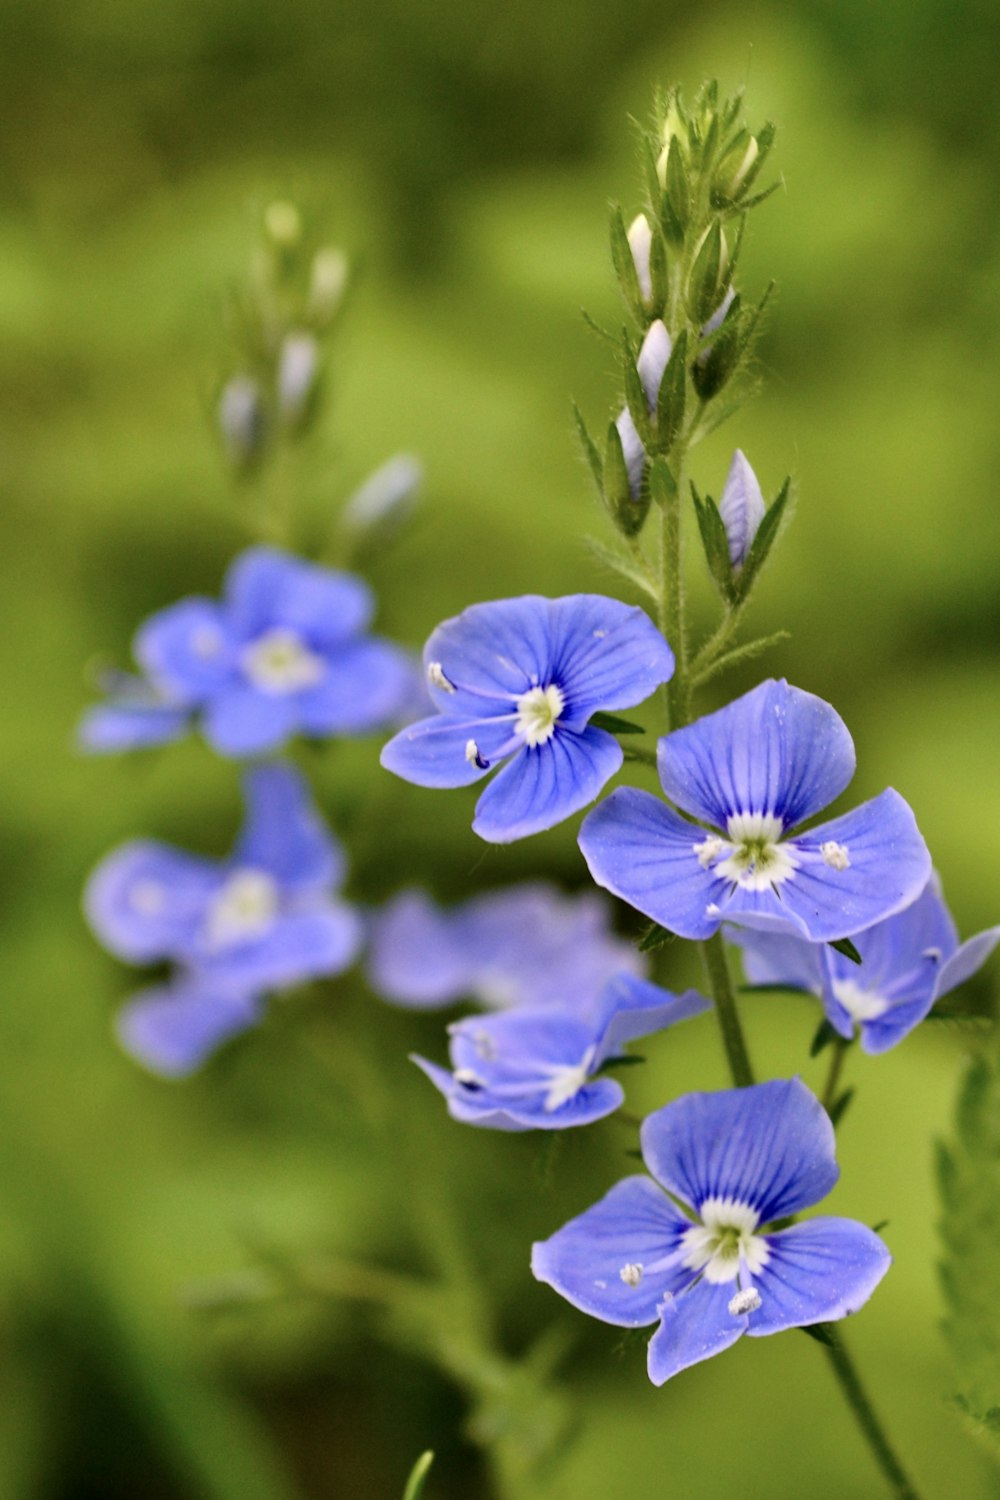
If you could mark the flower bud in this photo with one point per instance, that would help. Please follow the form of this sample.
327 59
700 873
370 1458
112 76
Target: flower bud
735 168
242 422
386 500
298 367
741 507
709 273
640 239
327 284
654 357
283 225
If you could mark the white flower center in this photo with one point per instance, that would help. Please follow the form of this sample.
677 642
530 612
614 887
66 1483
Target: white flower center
860 1004
724 1241
280 662
537 713
752 857
566 1081
244 909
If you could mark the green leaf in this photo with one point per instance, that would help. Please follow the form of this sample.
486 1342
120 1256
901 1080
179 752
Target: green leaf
615 725
970 1232
767 535
662 484
654 937
624 567
704 289
590 449
624 263
847 948
672 394
635 396
415 1483
626 510
839 1106
715 544
825 1034
677 191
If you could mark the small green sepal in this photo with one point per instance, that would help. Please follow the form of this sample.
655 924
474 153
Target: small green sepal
626 510
624 264
716 545
589 449
635 396
615 725
825 1034
672 395
838 1108
767 534
709 275
662 484
676 186
821 1332
847 948
654 937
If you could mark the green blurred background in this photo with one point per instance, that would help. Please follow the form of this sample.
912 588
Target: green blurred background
466 153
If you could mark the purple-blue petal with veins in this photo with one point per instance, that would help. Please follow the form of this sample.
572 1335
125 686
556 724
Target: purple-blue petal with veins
241 720
605 655
187 650
172 1030
741 507
145 901
546 783
492 653
284 835
432 752
633 1225
694 1325
817 1272
776 750
770 1146
639 849
365 686
780 958
266 589
629 1008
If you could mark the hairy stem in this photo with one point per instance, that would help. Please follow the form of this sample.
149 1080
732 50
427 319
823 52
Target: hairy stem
714 953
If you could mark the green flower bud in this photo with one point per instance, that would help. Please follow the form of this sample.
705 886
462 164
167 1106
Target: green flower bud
327 284
283 225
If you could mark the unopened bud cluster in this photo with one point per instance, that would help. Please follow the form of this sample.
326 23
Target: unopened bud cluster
675 261
279 322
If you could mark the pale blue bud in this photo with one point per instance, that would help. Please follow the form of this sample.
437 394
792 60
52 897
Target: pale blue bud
654 357
741 508
640 240
387 498
241 419
298 365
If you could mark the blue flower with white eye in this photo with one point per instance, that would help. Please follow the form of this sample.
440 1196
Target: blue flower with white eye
754 771
172 1029
908 962
284 652
711 1270
517 680
527 944
536 1067
264 918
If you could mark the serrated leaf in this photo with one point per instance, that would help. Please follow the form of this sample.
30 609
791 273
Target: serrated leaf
415 1484
654 937
970 1231
824 1035
767 535
672 395
590 449
615 725
847 948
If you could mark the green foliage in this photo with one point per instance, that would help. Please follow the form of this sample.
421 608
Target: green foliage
415 1484
968 1172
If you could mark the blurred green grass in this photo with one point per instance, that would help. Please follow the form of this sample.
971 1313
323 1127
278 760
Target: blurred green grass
470 164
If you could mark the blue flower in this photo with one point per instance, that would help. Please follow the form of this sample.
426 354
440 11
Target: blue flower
535 1068
754 771
907 963
525 945
172 1029
285 652
518 680
265 917
736 1161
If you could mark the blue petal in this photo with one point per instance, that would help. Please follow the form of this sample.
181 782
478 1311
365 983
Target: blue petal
544 784
187 650
633 1224
889 867
694 1326
284 835
298 946
630 1008
266 588
771 1146
492 653
638 848
966 960
775 750
244 721
365 686
146 901
780 959
818 1271
173 1030
741 507
414 956
130 726
633 452
432 752
605 655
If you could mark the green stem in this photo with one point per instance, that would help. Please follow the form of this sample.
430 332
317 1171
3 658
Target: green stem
714 953
672 623
857 1399
840 1047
